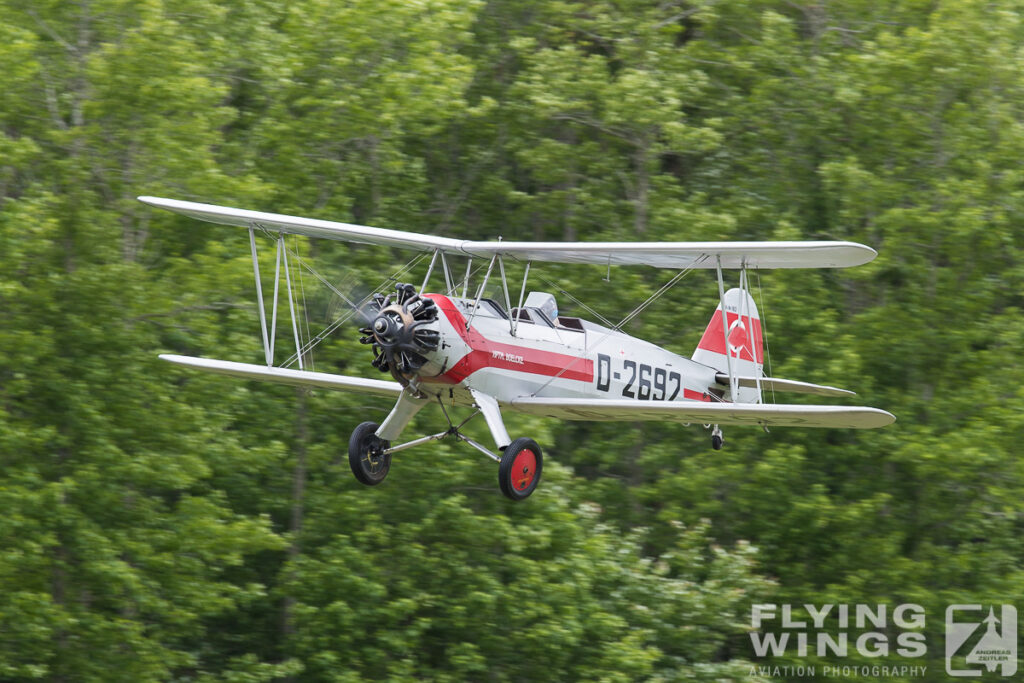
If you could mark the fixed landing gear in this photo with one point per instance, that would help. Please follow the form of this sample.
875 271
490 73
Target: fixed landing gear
520 468
369 455
519 465
717 438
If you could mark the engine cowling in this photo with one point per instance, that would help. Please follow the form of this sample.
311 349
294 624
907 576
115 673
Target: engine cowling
403 331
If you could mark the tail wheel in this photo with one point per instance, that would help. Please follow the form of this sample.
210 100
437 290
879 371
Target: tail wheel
365 455
717 438
520 469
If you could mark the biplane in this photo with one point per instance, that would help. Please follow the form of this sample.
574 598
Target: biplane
458 348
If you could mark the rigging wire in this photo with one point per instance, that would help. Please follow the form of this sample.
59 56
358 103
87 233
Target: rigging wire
576 301
664 288
355 307
635 312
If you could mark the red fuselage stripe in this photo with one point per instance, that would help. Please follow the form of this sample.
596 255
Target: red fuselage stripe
486 353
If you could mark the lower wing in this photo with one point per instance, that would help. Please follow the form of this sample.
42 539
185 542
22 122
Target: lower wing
779 415
776 414
302 378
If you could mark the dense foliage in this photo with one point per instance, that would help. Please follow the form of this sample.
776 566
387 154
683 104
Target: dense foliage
158 525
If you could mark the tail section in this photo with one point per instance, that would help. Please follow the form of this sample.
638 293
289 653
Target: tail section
744 345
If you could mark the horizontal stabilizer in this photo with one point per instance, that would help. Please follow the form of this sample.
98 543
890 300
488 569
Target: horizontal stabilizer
778 415
811 254
776 384
301 378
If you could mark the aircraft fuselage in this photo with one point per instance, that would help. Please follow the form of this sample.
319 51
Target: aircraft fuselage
566 358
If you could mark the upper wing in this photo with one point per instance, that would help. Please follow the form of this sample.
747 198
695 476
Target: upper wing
776 384
780 415
676 255
302 378
679 255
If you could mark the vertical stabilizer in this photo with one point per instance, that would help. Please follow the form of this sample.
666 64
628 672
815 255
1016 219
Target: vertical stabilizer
741 339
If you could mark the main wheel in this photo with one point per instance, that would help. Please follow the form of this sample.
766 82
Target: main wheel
521 465
365 458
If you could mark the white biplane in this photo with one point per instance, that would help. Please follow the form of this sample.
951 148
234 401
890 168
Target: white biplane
467 350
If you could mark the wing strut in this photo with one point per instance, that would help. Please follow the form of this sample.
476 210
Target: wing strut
430 270
449 288
513 319
273 320
291 304
745 293
267 352
504 289
268 339
733 388
522 293
480 292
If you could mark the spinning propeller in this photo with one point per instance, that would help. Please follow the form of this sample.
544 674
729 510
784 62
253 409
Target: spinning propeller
401 332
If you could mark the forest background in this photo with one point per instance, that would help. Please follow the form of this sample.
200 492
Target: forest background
163 525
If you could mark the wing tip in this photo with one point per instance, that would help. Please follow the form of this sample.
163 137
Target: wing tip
885 415
870 255
872 418
161 202
186 361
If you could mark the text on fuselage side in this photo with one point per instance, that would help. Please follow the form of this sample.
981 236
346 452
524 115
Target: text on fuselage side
507 357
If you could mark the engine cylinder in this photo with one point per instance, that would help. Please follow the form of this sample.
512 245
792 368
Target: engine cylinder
402 333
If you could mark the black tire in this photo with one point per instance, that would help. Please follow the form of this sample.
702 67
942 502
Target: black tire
716 442
520 469
364 454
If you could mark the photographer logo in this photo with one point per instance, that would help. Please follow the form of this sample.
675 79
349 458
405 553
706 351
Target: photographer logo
981 643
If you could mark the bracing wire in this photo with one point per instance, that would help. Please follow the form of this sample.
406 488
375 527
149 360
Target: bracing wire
341 320
576 301
355 306
635 312
664 288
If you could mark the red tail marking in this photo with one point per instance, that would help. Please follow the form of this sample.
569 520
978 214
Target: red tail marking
739 337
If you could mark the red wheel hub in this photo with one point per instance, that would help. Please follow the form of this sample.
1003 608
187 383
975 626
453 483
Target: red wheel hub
524 469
